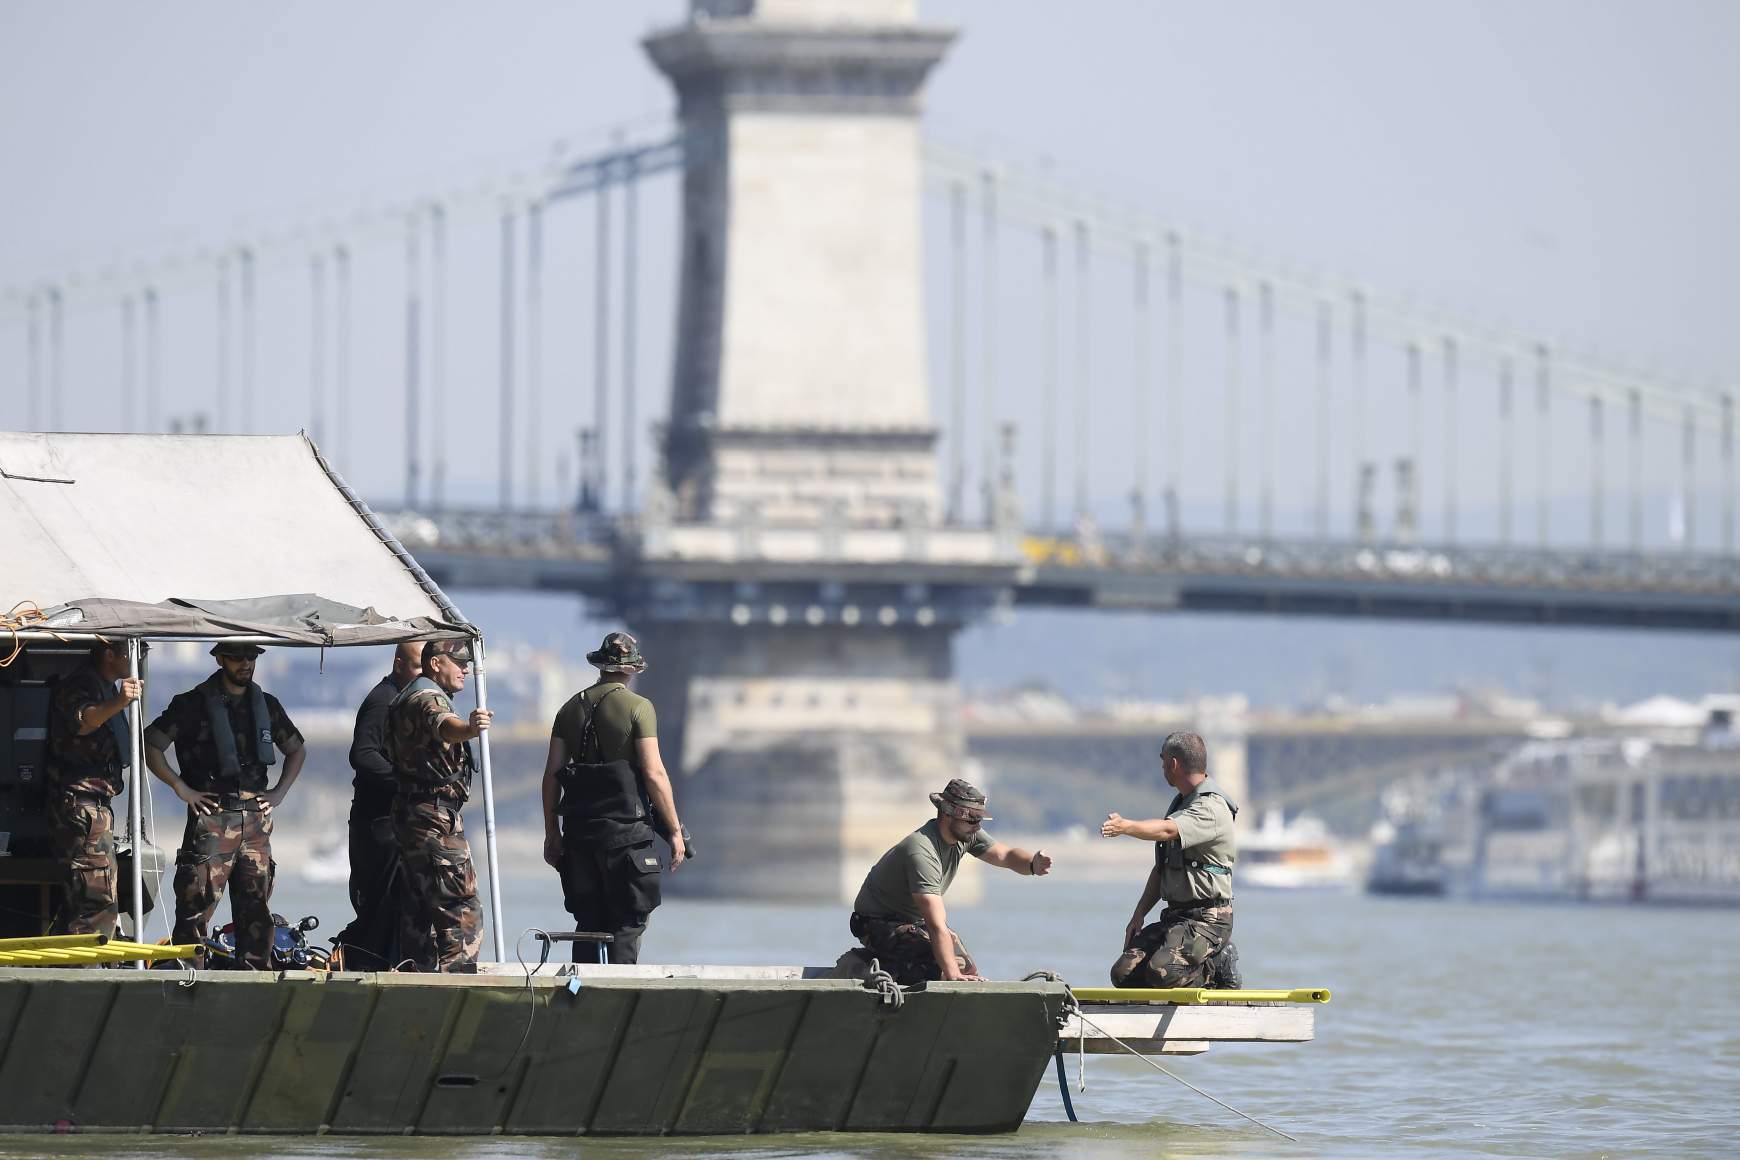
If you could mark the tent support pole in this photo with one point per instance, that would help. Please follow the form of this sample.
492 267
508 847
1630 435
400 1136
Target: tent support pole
479 670
135 808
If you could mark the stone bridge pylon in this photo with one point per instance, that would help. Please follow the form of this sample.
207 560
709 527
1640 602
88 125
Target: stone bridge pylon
796 592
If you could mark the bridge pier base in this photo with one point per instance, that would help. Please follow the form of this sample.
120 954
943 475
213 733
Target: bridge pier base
799 753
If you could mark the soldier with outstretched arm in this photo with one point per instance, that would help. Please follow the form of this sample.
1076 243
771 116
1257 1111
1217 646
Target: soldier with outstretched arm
1194 852
899 914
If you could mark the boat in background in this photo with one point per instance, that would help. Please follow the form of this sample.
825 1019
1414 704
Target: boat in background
1651 815
1408 858
327 863
1300 854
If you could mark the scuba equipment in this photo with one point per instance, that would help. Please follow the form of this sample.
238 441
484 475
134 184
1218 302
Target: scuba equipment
290 950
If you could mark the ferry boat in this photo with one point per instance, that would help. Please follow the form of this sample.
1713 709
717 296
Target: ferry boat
1607 819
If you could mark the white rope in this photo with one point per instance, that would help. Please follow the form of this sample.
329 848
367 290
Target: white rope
883 984
1084 1021
147 838
1072 1005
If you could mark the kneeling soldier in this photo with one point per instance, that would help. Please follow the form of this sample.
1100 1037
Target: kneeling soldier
432 759
899 914
89 748
1194 852
224 730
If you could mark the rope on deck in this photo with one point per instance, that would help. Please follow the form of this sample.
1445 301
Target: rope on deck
883 984
1072 1006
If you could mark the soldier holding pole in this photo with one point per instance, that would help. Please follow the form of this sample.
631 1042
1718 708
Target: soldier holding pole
89 749
433 762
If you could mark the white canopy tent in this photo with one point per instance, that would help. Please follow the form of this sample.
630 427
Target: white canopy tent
208 537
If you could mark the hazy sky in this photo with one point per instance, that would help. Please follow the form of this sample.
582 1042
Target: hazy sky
1558 165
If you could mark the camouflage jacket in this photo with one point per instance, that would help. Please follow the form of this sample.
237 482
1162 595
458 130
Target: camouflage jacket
88 763
422 762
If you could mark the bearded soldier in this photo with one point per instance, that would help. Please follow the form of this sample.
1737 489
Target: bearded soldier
224 730
899 914
433 762
1194 852
89 748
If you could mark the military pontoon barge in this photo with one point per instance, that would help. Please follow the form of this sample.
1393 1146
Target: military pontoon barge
594 1050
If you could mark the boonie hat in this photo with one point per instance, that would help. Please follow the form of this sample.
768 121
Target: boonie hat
237 649
620 653
960 794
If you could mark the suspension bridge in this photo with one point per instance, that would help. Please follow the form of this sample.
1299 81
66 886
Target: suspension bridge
1305 403
895 386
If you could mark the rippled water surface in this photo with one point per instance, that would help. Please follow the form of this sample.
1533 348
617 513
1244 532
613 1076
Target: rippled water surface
1455 1029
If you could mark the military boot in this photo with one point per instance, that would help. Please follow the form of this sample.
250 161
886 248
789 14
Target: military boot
1223 974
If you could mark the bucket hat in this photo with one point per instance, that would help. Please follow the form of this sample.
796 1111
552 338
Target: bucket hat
620 653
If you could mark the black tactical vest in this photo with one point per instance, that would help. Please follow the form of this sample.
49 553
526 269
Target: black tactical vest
599 791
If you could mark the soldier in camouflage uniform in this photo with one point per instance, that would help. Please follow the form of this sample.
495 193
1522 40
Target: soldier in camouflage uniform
899 914
89 747
430 747
1194 852
224 731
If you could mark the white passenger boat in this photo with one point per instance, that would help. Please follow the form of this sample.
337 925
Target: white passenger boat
1295 854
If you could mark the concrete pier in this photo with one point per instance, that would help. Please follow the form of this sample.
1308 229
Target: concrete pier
808 704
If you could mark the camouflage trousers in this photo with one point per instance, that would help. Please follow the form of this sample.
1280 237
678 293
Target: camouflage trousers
443 928
229 848
903 949
1175 951
82 828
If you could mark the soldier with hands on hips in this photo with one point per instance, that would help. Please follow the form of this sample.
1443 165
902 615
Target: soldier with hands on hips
227 733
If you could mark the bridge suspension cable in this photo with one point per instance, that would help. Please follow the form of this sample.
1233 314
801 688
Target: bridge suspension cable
247 357
341 319
599 459
630 322
990 338
534 348
505 494
438 353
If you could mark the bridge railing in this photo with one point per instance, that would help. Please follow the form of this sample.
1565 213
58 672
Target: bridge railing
509 533
1076 555
1460 565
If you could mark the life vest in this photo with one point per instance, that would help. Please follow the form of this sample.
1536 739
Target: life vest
1214 857
600 791
232 761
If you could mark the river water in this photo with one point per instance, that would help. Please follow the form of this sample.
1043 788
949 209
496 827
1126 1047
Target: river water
1537 1030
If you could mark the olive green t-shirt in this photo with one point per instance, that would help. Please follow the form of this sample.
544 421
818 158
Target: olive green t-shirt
1205 840
921 864
624 718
